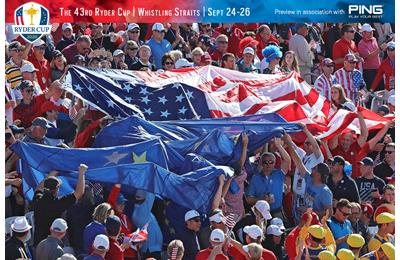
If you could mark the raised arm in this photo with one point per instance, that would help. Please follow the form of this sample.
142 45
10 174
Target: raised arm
363 128
80 185
285 156
328 151
380 134
297 161
243 156
315 146
218 194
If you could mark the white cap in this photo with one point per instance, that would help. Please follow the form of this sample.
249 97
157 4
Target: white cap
253 231
391 100
217 218
20 225
28 67
391 44
158 27
181 63
191 214
117 52
67 256
66 26
274 230
263 207
38 43
101 242
367 28
278 222
59 225
132 26
350 106
248 50
217 235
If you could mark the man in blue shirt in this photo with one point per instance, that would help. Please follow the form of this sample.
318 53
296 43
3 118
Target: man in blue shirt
268 184
159 46
340 225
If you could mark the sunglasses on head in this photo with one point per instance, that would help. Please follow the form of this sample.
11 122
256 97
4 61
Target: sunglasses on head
268 162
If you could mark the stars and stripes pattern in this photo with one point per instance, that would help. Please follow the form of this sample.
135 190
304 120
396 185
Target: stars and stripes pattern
323 85
230 221
207 92
352 82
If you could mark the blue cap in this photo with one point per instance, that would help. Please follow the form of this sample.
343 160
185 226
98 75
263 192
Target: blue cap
301 25
204 38
121 199
367 161
113 225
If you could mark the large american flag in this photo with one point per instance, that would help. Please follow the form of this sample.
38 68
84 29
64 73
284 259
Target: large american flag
209 92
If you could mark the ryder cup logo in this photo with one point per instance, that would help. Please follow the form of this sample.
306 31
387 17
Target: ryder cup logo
31 21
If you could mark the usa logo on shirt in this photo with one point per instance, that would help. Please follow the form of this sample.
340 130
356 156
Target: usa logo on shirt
31 21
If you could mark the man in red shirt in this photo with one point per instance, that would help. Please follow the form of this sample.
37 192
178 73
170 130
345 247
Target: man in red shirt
264 36
30 106
344 46
81 46
36 57
113 228
217 239
386 69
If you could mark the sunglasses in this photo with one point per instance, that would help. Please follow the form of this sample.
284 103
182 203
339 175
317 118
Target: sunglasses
307 143
389 152
159 31
268 162
197 54
41 48
330 66
344 213
169 63
390 49
29 90
134 31
16 50
133 49
351 31
195 220
221 42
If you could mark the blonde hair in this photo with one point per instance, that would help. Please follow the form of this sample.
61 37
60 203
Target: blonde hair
295 64
177 54
197 50
101 212
175 244
255 251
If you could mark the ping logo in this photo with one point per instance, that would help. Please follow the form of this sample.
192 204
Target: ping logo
366 9
31 21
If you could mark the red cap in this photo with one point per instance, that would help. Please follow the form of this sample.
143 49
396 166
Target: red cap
367 208
314 220
205 57
381 210
246 42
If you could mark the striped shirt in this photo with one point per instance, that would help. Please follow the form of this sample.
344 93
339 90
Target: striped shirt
13 73
351 81
323 85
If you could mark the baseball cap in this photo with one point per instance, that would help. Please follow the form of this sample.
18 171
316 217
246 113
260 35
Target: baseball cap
391 100
121 199
253 231
191 214
57 53
205 57
317 231
338 160
274 230
217 217
113 225
391 45
204 38
248 50
350 57
278 222
66 26
247 41
41 121
117 52
59 225
263 207
25 84
183 63
133 26
385 218
145 47
367 161
367 208
52 183
78 58
389 250
349 106
101 242
326 255
302 25
345 254
384 109
38 43
15 45
221 38
327 62
217 235
28 67
20 224
367 28
158 27
16 130
355 240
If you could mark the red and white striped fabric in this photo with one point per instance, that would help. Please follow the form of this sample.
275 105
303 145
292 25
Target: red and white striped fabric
323 85
232 93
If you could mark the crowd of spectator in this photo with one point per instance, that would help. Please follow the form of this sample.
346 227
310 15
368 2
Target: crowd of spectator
322 199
